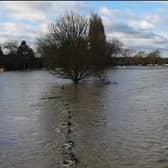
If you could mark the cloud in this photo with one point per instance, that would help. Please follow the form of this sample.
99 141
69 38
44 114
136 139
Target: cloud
27 19
39 11
142 32
143 25
12 31
24 10
142 41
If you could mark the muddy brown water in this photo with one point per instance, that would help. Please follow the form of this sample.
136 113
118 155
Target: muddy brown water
123 125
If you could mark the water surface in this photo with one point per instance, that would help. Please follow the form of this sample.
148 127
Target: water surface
123 125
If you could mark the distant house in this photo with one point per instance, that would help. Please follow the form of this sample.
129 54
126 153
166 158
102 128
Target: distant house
26 54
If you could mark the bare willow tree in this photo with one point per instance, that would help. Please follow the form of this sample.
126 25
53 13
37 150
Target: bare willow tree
65 47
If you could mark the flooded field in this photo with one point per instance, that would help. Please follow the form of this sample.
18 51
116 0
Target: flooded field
120 125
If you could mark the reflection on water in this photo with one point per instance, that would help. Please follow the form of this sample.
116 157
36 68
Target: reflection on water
123 125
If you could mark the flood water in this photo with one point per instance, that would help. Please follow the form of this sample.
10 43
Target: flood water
120 125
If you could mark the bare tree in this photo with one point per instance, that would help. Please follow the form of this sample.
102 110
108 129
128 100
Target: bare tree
11 47
153 57
1 52
127 52
115 47
65 47
48 49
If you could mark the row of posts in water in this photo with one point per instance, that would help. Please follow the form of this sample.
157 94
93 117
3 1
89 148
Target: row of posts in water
69 158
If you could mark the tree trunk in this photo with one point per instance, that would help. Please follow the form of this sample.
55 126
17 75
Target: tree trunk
76 81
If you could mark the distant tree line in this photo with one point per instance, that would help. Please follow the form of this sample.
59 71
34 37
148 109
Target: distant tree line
139 58
20 57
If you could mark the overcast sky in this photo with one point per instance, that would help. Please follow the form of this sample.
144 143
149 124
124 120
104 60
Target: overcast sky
139 25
